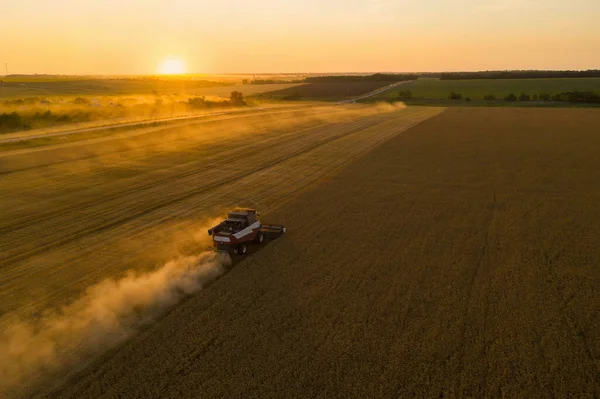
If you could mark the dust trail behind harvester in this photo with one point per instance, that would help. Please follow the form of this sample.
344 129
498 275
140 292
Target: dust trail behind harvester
112 311
128 148
108 313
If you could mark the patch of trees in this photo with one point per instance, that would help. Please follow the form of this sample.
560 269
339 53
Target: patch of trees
577 97
50 116
454 96
17 121
545 97
572 96
590 73
12 121
236 99
378 77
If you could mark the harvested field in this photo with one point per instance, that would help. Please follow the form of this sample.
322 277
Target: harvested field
76 214
457 260
328 90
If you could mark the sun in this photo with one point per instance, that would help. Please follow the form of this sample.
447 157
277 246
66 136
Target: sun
171 66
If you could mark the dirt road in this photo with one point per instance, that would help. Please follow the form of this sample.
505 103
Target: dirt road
378 91
457 260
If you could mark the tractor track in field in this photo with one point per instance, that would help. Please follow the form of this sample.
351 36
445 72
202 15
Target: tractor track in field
484 254
119 221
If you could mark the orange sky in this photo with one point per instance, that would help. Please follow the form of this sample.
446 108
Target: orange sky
135 36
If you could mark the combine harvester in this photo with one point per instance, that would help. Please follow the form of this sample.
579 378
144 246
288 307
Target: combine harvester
241 228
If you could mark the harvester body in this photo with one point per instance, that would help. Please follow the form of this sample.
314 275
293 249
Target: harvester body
242 228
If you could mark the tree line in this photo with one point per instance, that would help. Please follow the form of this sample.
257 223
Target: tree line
378 77
590 73
268 81
571 96
393 77
10 121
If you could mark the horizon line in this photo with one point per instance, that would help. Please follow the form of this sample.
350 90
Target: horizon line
293 73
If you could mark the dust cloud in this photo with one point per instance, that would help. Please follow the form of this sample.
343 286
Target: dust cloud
129 149
112 310
107 314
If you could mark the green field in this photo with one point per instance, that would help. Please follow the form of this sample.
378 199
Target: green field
476 89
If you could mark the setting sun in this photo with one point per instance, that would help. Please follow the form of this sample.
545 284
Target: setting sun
171 66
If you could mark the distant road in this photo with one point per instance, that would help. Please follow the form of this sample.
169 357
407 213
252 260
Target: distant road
376 92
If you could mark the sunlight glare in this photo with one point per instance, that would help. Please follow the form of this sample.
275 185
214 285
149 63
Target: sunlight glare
171 66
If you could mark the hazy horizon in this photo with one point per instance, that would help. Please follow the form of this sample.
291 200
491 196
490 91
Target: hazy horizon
315 73
137 37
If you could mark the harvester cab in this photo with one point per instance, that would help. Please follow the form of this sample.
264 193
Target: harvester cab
241 228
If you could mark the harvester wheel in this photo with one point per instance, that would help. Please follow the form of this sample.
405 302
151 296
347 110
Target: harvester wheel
260 237
243 249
